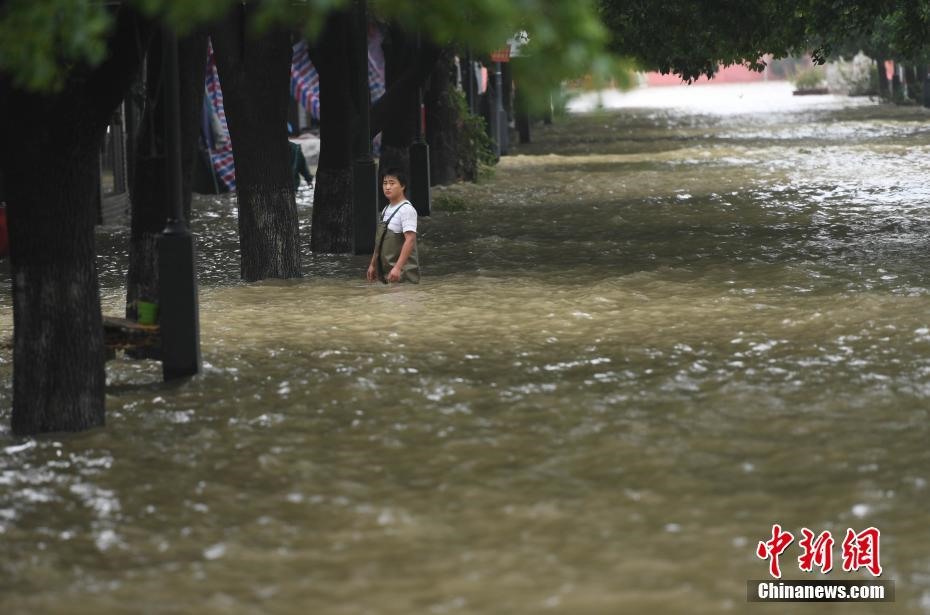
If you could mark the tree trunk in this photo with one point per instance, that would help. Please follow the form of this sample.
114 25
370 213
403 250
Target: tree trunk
50 161
507 82
897 92
884 91
925 85
406 70
331 229
396 113
255 76
149 188
521 110
442 125
912 84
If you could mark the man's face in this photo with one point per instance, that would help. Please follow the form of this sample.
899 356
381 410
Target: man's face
391 187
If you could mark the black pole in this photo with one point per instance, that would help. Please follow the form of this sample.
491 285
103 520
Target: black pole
502 131
419 158
364 172
470 87
497 110
179 317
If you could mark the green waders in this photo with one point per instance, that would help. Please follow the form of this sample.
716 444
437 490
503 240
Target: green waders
388 245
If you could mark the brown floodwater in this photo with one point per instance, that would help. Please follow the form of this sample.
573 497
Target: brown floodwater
655 332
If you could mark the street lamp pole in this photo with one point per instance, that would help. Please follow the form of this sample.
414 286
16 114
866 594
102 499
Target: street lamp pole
179 318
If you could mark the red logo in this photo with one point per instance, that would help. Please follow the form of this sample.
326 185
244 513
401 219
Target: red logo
860 550
771 549
817 551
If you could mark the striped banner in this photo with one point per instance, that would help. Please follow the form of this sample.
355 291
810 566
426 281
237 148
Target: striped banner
305 81
221 152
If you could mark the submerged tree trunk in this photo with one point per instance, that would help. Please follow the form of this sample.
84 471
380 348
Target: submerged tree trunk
521 110
331 230
925 85
884 89
912 85
255 76
442 122
148 187
395 115
50 162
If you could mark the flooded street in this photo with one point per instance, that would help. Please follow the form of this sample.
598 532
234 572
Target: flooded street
659 329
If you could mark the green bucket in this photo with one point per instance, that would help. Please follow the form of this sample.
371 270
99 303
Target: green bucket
146 312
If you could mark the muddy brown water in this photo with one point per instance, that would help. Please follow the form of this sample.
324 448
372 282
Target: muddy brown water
654 333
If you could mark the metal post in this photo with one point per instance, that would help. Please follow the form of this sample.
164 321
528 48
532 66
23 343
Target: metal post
179 317
419 160
502 135
364 172
494 114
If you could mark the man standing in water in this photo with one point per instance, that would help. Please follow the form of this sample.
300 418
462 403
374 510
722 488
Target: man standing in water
396 237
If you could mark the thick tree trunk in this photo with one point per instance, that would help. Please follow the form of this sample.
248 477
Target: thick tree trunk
331 229
406 70
396 113
58 369
393 157
255 76
50 161
149 188
442 123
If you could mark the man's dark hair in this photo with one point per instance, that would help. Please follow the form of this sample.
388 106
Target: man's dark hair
396 172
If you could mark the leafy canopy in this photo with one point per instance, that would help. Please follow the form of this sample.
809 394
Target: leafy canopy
692 38
41 39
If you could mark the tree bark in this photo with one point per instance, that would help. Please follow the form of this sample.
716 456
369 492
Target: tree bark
406 70
910 79
50 161
149 188
331 228
442 122
255 76
884 90
521 110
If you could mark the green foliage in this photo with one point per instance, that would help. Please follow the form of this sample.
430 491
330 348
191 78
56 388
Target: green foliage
449 203
809 78
566 38
39 38
693 38
475 155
